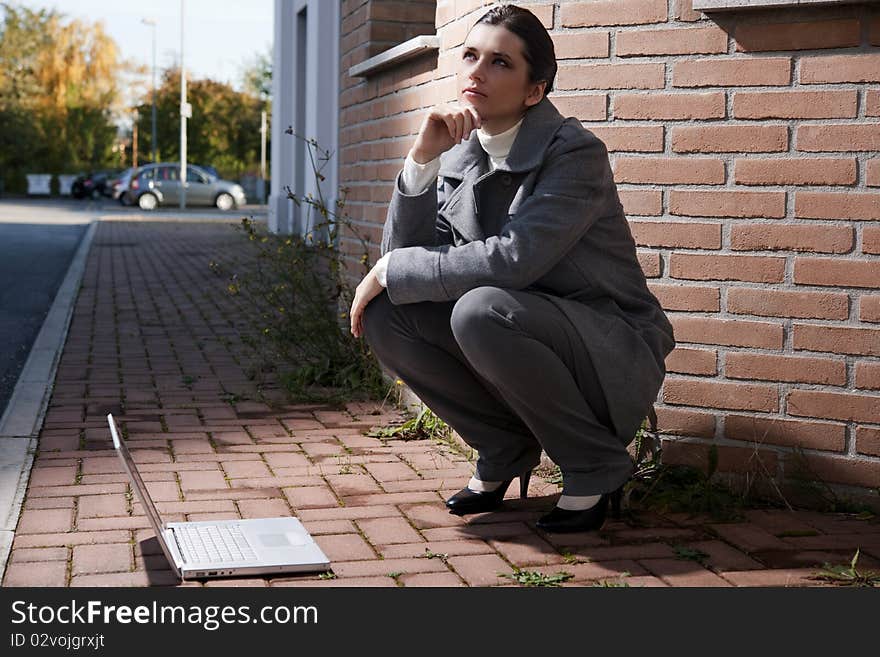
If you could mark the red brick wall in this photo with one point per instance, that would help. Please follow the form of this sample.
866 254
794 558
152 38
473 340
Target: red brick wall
745 148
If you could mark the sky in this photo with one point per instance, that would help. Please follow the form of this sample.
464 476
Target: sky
220 36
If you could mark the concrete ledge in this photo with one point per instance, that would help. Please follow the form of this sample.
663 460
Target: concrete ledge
406 50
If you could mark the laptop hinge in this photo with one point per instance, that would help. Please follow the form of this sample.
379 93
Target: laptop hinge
177 543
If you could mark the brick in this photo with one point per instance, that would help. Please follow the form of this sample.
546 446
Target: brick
781 303
386 472
480 570
850 137
582 45
685 422
834 271
672 171
106 558
867 375
204 480
678 41
611 76
800 35
795 104
778 577
837 339
263 508
692 361
586 107
353 484
102 506
238 469
756 269
800 171
830 205
426 516
727 203
345 547
30 555
671 107
872 102
787 433
347 513
748 537
748 72
447 548
872 173
45 521
736 333
650 263
477 530
527 551
646 202
683 10
311 497
36 574
769 367
840 68
612 12
645 139
743 460
687 297
71 538
868 441
869 308
716 394
683 573
792 237
833 405
386 531
843 470
871 240
50 476
729 139
676 235
137 578
433 580
385 567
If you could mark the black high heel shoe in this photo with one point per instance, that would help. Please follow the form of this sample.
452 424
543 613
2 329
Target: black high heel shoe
563 520
472 501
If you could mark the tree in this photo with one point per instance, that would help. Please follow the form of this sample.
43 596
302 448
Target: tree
224 130
58 94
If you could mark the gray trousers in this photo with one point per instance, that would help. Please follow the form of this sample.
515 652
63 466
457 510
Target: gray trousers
507 370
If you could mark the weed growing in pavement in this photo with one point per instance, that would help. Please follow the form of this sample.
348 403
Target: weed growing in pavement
848 576
818 493
689 554
532 578
297 287
423 426
328 575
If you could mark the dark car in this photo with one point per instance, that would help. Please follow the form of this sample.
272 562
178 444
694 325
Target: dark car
159 184
93 184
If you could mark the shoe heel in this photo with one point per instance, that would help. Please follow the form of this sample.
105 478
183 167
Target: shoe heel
615 503
524 484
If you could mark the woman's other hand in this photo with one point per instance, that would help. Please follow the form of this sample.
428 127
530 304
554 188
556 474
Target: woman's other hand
444 127
366 290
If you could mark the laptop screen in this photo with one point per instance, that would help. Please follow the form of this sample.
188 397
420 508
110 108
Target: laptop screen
140 488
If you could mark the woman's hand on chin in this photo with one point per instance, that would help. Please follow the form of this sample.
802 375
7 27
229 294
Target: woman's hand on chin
365 292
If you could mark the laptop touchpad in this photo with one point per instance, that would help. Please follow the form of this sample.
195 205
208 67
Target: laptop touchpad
281 540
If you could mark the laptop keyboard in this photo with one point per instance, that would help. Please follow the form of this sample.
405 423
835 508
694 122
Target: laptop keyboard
214 543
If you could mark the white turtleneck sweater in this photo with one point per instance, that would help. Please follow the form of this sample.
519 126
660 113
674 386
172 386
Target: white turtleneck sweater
417 177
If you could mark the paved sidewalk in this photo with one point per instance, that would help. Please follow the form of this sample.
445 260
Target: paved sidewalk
156 341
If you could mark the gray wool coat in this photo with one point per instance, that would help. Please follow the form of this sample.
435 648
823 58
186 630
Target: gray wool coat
548 221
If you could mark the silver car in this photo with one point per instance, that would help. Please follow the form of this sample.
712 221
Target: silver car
158 184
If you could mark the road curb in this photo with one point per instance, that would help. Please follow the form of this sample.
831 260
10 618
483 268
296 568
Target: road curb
21 422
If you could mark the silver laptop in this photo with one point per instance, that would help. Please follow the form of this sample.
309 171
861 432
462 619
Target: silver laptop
223 548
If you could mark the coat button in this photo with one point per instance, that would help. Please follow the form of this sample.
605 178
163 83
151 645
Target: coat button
506 180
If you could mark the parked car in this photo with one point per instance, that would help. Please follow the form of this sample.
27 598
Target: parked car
159 184
119 185
93 184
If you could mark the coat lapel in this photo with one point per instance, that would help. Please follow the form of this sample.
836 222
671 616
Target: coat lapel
469 163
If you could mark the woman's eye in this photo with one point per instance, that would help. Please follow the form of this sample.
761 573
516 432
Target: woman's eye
468 54
501 60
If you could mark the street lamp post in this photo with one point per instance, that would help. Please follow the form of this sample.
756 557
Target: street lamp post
152 23
185 113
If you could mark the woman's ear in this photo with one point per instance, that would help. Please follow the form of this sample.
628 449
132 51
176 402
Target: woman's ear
536 93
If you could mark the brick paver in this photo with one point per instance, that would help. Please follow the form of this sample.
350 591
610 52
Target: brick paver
212 441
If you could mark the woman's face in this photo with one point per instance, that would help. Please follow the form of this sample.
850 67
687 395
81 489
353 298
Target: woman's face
493 77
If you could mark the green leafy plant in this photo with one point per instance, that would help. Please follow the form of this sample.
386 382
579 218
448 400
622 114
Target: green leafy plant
532 578
690 554
299 289
423 426
328 575
848 576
